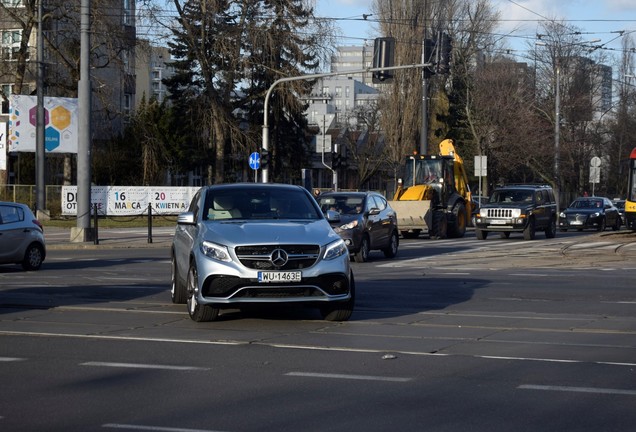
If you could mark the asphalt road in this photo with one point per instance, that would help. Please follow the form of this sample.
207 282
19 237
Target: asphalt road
451 335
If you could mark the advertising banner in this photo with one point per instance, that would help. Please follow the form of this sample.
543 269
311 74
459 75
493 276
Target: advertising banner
60 124
131 200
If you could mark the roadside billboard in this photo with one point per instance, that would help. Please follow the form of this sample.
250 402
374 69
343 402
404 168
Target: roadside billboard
60 124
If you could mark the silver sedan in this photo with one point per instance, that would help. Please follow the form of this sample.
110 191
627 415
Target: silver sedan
259 243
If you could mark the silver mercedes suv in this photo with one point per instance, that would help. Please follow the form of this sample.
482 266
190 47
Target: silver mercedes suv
259 243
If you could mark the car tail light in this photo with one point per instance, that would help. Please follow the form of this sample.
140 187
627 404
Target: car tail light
38 223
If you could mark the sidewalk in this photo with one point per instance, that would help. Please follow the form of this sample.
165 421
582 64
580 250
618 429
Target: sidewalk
60 238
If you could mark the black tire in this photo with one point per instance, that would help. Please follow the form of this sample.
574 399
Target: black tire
178 292
340 311
602 225
363 253
530 231
392 249
457 229
504 235
550 231
33 257
617 224
481 234
198 312
440 225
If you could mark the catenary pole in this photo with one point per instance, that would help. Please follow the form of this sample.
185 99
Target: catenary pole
83 232
40 149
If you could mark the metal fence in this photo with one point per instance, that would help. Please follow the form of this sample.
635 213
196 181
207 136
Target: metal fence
26 194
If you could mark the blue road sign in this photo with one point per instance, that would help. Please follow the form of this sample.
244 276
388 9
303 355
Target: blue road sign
255 161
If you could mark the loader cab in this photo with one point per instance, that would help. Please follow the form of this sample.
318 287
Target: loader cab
420 170
433 174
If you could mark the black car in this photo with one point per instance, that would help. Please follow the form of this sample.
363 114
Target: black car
364 220
518 208
590 213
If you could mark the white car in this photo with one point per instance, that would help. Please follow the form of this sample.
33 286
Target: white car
21 236
265 243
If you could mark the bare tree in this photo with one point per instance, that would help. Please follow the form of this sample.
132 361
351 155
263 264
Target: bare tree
365 149
401 102
577 64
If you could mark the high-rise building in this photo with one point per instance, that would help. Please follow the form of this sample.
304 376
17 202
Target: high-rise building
153 64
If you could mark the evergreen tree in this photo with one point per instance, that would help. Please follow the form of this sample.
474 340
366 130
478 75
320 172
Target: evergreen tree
228 55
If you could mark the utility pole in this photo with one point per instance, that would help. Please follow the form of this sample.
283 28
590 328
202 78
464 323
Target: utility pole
426 53
40 148
82 232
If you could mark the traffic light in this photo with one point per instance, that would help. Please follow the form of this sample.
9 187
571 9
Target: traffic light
444 48
383 53
335 160
265 158
344 161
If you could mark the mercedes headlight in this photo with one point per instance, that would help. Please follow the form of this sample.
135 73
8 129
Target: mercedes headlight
336 249
215 251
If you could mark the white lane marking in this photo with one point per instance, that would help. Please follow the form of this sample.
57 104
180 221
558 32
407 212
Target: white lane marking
10 359
143 366
152 428
348 377
126 338
578 389
306 347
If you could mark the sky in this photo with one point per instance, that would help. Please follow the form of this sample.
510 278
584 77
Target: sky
598 19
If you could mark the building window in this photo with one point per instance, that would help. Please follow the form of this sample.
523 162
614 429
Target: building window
127 103
125 59
338 91
12 3
325 90
129 12
347 91
6 93
10 44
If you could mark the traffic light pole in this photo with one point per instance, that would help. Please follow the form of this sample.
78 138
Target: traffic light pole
265 142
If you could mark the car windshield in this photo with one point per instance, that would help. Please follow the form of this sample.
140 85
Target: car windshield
511 197
343 204
258 203
587 204
620 205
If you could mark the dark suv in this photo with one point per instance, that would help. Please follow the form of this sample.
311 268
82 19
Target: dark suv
518 208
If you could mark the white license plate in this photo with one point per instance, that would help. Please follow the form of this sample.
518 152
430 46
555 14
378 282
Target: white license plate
498 222
576 223
280 276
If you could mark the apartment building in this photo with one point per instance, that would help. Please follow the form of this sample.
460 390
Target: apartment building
113 37
153 64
